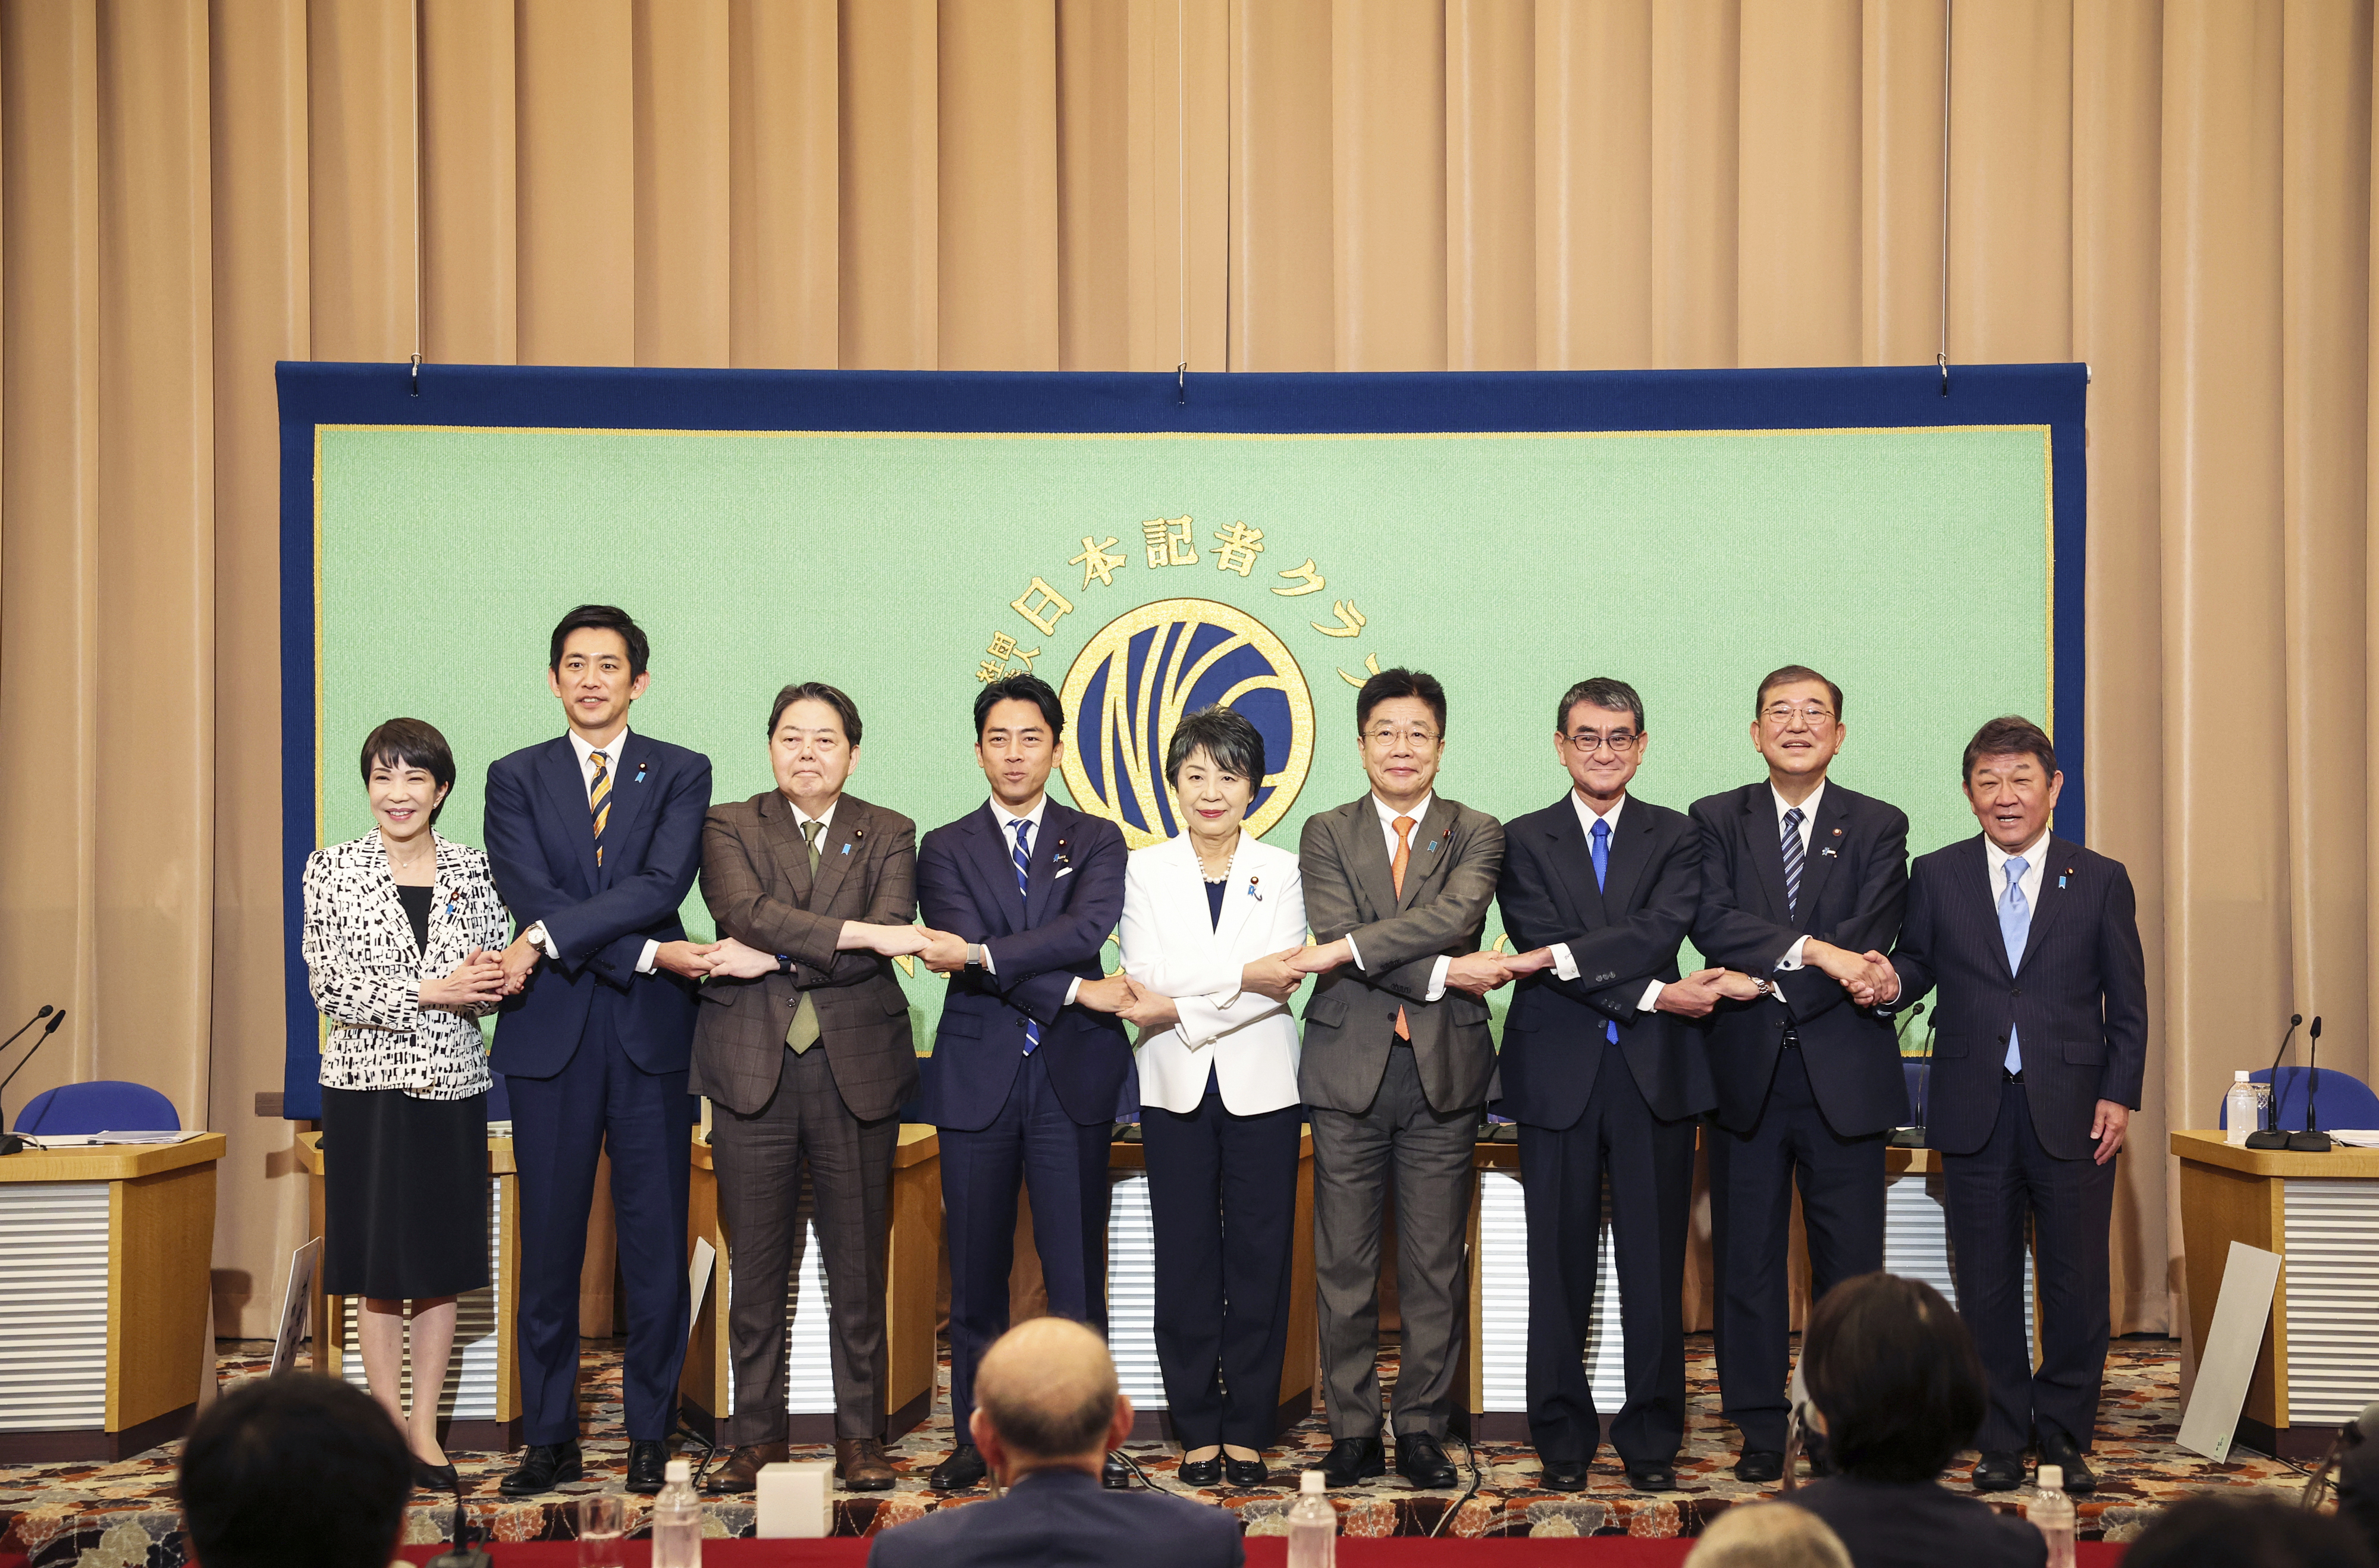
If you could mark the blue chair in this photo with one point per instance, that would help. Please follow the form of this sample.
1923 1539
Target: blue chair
105 1105
2345 1100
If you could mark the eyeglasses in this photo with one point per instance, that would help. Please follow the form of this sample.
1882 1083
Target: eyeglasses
1782 714
1585 743
1384 736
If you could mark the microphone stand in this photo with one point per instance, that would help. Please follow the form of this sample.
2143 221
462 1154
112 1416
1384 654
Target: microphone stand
2309 1142
9 1142
1913 1136
2273 1137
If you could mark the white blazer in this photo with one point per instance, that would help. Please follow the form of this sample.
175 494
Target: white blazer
1172 946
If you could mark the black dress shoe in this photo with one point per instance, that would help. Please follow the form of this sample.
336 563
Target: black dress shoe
1246 1472
1207 1472
1998 1472
647 1463
544 1467
1759 1465
1351 1460
1114 1474
433 1478
1654 1477
962 1469
1420 1461
2058 1448
1561 1475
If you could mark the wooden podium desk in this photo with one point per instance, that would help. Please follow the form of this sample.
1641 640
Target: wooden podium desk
2319 1363
706 1390
104 1257
480 1409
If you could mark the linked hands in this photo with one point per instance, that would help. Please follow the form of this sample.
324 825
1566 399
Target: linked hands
475 983
1869 977
1698 994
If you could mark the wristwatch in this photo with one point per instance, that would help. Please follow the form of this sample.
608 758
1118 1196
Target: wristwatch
975 955
784 963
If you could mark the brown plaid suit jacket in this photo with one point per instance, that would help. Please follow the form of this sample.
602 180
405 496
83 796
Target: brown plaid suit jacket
755 877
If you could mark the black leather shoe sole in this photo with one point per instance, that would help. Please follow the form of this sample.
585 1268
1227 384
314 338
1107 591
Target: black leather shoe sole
1652 1477
962 1469
1759 1465
1561 1477
1246 1472
1427 1468
1340 1470
1998 1472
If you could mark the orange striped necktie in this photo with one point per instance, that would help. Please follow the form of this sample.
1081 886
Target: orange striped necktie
599 801
1404 827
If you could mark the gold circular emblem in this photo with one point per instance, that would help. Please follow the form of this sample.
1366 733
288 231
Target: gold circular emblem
1130 686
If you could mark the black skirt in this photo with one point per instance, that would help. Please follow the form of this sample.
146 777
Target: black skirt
406 1194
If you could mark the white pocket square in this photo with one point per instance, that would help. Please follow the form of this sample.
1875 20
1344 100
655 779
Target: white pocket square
1068 871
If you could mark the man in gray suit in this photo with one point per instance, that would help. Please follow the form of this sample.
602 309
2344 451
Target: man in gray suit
803 1049
1396 1068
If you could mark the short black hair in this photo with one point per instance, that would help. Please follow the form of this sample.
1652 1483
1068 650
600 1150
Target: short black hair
2011 734
1024 689
1893 1370
818 691
295 1471
411 742
2214 1531
1225 736
1793 674
1389 684
602 618
1602 692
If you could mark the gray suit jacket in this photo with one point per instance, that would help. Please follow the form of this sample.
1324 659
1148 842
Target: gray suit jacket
755 877
1350 1021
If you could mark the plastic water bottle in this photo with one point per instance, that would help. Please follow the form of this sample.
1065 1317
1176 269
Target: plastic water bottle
1313 1525
2242 1108
677 1520
2051 1512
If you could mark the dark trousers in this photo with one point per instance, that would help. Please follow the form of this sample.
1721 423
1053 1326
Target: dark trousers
1063 1167
1752 1176
1427 1153
1990 1194
1650 1163
759 1159
561 1128
1222 1190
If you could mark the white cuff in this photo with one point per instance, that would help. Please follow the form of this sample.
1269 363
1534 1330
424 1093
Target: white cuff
988 967
1437 978
1073 990
1353 952
1651 1001
1791 958
647 960
536 933
1563 965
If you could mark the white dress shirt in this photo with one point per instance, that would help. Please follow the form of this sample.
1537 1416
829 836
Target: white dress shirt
1563 965
1791 958
1007 821
1388 815
585 750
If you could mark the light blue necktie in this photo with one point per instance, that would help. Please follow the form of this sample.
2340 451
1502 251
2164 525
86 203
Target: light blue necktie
2015 925
1024 891
1601 866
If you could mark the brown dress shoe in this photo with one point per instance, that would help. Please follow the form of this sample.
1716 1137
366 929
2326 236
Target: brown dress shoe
742 1470
860 1464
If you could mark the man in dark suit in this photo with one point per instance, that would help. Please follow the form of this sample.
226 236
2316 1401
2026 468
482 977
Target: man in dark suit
805 1055
2040 1043
1597 891
1397 1071
1050 1411
1801 878
594 839
1019 897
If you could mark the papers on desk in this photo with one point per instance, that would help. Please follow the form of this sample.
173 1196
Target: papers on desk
2356 1136
94 1140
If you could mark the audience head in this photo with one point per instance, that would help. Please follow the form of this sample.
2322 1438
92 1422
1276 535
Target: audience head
1892 1371
597 667
2209 1531
1796 722
1018 724
407 768
1400 722
2011 779
1045 1398
1768 1535
2358 1477
295 1471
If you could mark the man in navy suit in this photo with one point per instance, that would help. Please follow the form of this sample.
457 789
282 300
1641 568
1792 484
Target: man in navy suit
1020 897
1801 878
1050 1413
2039 1046
594 839
1597 889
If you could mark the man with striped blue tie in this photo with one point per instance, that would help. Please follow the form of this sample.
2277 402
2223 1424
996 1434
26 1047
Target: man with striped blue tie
1802 879
1018 898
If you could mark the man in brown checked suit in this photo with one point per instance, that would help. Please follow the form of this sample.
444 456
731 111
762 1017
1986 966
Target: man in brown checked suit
1398 1068
803 1048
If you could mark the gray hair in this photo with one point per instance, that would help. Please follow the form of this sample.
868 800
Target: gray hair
1768 1535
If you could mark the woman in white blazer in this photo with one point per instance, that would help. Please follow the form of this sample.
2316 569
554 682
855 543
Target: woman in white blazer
1209 919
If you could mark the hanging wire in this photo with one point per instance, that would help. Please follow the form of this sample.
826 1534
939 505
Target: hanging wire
412 386
1941 358
1181 234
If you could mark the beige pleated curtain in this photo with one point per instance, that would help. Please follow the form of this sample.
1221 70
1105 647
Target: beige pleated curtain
2180 195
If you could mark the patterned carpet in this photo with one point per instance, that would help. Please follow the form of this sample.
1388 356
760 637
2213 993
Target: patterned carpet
121 1515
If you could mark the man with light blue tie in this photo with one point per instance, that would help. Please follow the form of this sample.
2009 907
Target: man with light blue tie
2040 1044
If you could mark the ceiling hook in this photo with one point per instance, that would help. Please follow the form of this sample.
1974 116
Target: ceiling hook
1943 361
1181 383
414 388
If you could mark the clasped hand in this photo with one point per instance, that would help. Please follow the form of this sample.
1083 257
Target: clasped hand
1869 977
478 981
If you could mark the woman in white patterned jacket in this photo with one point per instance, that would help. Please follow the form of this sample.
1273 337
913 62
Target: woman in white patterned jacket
402 933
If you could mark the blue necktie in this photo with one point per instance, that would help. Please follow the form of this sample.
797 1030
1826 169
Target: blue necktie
1792 853
1024 891
2015 925
1601 867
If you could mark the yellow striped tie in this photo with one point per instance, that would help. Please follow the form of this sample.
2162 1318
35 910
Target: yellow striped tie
599 801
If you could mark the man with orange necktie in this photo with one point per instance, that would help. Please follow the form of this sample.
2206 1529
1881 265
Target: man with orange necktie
1396 1068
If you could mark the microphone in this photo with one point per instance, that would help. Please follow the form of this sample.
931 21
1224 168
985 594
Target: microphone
2272 1137
464 1554
2350 1490
2309 1142
9 1142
